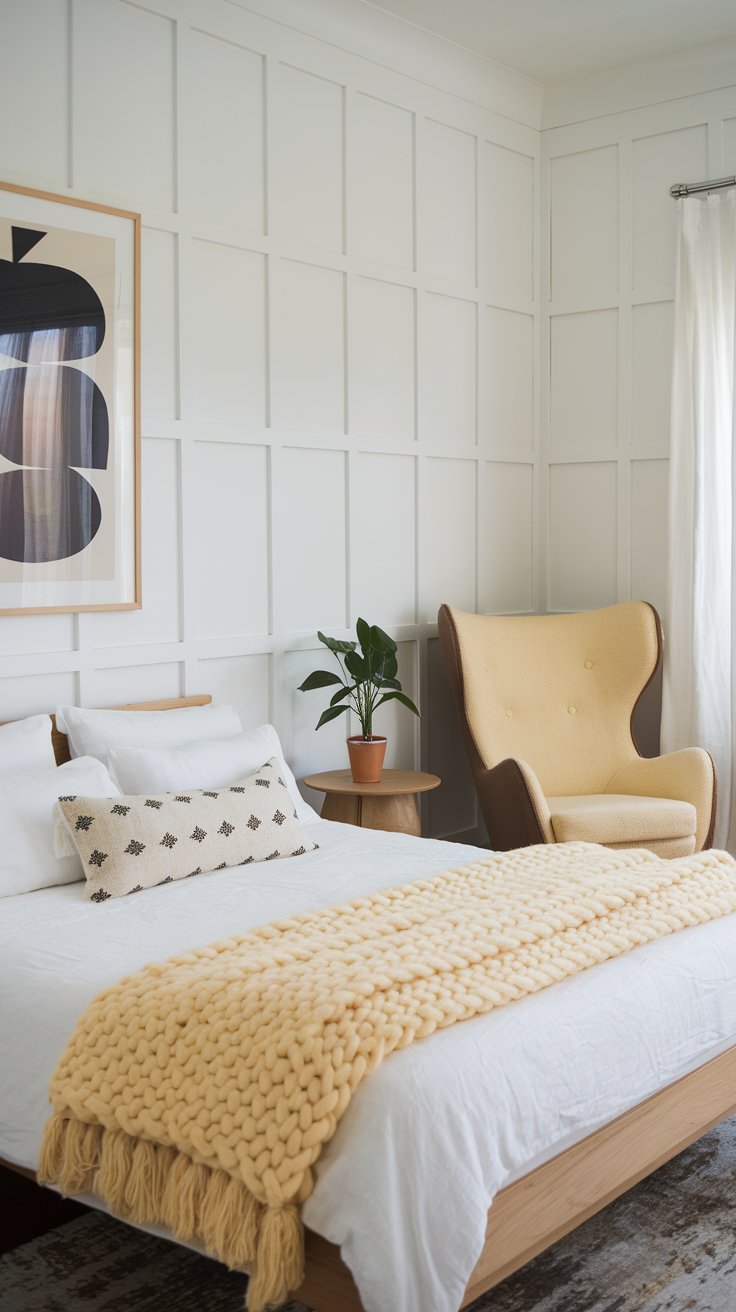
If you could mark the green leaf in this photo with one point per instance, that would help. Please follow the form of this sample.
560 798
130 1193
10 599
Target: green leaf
356 666
319 679
390 667
340 696
381 682
331 713
382 640
336 644
399 697
363 631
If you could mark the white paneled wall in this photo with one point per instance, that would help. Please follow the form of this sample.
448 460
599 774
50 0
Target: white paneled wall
340 266
608 271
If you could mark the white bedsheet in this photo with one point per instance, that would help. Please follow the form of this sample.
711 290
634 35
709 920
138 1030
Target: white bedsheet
406 1183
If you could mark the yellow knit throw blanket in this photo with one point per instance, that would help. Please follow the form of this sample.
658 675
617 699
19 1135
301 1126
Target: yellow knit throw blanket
200 1092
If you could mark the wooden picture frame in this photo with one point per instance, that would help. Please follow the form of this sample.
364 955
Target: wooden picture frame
69 404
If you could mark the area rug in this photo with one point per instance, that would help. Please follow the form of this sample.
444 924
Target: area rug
667 1246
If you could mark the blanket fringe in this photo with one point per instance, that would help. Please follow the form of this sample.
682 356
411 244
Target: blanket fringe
231 1221
146 1182
52 1150
279 1265
145 1185
115 1169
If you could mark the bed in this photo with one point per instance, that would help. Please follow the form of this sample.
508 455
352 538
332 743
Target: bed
462 1156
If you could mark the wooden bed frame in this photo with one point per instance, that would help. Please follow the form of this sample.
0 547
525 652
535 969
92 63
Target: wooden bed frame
538 1209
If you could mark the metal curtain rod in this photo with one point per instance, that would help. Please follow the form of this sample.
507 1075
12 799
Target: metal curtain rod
687 188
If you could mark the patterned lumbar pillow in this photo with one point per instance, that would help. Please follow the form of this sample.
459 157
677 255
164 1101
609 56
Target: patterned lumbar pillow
130 843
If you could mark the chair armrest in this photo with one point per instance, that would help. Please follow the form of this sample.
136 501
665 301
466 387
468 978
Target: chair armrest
686 776
513 806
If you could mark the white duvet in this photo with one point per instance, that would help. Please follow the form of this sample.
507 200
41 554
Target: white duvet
405 1185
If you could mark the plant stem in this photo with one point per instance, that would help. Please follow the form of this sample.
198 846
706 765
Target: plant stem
362 698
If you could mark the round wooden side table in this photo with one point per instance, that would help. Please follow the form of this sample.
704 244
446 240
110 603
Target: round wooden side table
390 804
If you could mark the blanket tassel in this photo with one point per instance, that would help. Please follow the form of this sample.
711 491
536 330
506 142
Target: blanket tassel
51 1158
147 1180
279 1265
113 1177
69 1155
231 1219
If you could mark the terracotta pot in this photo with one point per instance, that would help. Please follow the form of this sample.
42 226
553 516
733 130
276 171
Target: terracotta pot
366 758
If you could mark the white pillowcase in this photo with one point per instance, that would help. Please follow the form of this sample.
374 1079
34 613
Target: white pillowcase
26 745
27 802
95 733
204 765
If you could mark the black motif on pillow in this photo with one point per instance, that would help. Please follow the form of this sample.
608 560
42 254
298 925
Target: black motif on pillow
271 856
121 810
206 794
226 829
97 858
168 840
84 821
152 801
236 789
278 817
135 848
99 895
254 822
263 783
138 889
182 799
70 797
198 834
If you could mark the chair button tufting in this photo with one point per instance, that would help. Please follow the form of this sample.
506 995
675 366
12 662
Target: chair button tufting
509 712
588 665
571 710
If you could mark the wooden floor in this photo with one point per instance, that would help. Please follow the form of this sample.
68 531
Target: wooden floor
27 1210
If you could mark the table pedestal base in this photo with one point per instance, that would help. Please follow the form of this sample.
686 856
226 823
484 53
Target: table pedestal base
398 814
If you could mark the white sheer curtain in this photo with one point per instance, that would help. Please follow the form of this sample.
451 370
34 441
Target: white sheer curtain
699 705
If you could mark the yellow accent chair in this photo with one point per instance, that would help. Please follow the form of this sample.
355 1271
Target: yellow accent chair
546 704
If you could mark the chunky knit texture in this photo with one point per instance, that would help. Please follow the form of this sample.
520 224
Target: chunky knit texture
200 1092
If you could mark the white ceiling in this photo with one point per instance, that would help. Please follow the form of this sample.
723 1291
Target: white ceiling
553 40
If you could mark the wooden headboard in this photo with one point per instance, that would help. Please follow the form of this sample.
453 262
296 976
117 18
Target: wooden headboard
61 746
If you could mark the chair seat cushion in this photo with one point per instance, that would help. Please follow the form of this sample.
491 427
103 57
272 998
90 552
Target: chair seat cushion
620 818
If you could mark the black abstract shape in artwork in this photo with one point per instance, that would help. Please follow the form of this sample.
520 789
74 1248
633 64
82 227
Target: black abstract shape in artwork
47 313
24 239
46 514
52 415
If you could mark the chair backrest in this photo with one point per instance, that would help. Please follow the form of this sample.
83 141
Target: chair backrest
557 691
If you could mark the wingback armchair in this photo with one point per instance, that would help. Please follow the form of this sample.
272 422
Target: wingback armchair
546 704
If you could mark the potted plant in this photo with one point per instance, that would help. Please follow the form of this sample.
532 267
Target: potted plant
367 679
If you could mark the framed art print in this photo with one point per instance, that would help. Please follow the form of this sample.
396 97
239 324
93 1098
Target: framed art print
69 404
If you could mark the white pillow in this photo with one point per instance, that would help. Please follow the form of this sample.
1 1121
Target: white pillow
26 745
27 801
95 733
204 765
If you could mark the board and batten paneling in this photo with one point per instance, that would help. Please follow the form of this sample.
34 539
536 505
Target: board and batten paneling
339 278
608 270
